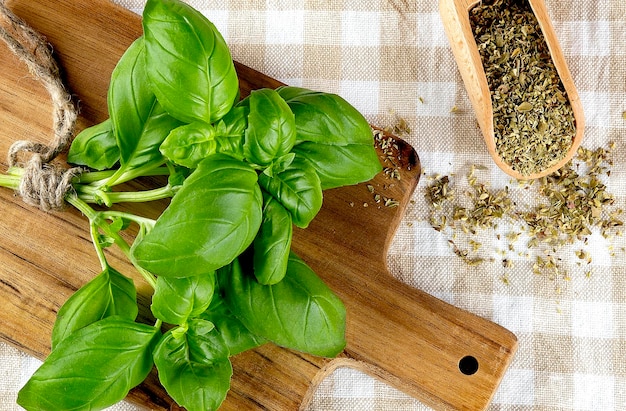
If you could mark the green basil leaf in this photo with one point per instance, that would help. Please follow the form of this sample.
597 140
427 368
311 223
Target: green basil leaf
189 64
95 147
298 188
118 224
326 118
188 145
194 367
108 294
178 174
93 368
234 123
272 243
271 131
300 312
229 132
212 219
279 165
236 336
140 123
177 299
339 166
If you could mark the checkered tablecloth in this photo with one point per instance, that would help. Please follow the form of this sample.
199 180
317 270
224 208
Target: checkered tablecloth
391 59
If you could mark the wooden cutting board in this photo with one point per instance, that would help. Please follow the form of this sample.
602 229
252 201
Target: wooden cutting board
405 337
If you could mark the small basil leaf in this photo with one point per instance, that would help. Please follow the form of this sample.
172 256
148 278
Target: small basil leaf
272 243
234 123
212 219
119 224
297 188
326 118
178 174
177 299
189 64
194 367
300 312
188 145
339 166
280 164
236 336
95 147
271 131
108 294
230 132
93 368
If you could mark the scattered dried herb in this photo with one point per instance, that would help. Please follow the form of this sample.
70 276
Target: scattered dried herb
569 206
534 123
390 157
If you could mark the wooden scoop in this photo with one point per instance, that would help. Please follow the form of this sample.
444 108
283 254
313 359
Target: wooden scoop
455 17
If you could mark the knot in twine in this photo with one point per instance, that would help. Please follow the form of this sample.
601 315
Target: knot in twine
43 184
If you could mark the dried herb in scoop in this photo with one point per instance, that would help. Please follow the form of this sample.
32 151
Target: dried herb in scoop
534 123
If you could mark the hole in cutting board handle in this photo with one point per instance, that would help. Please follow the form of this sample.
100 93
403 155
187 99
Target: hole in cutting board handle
468 365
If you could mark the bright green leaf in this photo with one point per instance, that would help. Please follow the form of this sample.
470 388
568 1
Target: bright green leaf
177 299
236 336
108 294
271 131
297 188
189 64
272 244
212 219
93 368
194 367
300 312
95 147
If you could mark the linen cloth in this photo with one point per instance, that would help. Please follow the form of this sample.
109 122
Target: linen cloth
391 59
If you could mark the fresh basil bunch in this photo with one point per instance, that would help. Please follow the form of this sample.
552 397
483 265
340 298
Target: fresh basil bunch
240 173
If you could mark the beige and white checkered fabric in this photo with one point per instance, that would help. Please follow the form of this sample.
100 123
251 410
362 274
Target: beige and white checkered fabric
391 58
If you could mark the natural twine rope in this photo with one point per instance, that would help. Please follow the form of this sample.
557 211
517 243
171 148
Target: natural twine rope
42 185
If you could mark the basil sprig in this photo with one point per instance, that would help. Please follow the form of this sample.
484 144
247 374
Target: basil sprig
240 174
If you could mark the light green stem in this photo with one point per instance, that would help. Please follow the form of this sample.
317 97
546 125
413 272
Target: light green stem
96 243
10 181
94 177
122 176
95 195
98 220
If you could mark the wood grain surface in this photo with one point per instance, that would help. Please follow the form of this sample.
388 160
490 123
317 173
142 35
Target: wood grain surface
399 334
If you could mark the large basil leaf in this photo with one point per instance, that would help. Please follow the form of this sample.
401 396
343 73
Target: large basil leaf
339 166
92 368
95 147
189 64
326 118
271 131
194 367
177 299
300 312
236 336
272 243
297 188
212 219
140 123
108 294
